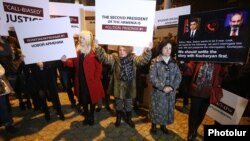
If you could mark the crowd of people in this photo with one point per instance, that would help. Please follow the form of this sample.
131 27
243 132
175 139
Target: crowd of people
94 75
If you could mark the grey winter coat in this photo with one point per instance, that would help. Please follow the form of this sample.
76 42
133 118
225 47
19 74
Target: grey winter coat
163 104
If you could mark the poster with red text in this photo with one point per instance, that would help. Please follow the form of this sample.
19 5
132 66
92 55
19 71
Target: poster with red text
46 40
125 22
70 10
88 18
19 11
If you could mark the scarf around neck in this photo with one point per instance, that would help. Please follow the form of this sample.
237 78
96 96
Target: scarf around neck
127 69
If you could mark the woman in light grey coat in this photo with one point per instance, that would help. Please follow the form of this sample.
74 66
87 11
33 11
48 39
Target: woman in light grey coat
165 77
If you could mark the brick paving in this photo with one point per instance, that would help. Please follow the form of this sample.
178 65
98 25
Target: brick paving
33 127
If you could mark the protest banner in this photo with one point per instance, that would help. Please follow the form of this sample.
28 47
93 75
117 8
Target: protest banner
18 11
47 40
125 22
70 10
229 109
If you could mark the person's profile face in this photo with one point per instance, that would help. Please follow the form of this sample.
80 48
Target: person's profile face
193 25
166 50
122 51
236 20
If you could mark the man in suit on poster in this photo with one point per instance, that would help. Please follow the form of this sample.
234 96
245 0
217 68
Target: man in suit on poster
193 33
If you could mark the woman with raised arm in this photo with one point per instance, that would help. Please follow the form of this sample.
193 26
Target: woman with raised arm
123 76
87 84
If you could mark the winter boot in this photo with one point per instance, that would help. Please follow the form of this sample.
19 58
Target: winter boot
129 119
118 118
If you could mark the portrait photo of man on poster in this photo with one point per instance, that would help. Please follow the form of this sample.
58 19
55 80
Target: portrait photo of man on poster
236 26
192 31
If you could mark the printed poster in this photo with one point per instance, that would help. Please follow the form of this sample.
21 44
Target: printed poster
70 10
229 109
46 45
19 11
125 22
88 18
170 17
206 37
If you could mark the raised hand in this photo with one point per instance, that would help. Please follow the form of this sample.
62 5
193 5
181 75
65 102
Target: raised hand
22 57
150 45
39 64
63 58
96 44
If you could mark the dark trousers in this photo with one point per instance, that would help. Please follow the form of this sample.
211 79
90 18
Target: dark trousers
67 82
44 95
185 88
197 113
5 116
53 93
89 111
123 104
43 102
